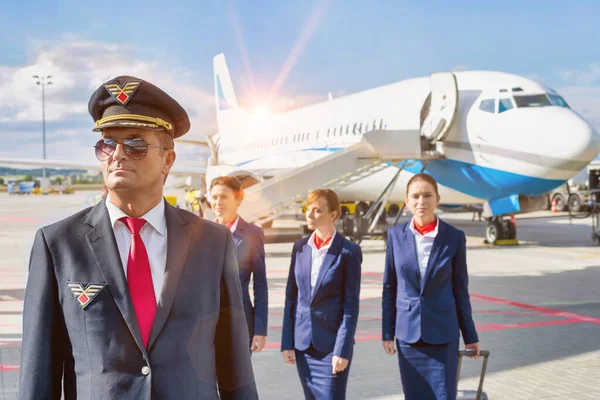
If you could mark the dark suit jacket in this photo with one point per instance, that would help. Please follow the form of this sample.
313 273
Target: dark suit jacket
250 243
327 318
435 306
199 338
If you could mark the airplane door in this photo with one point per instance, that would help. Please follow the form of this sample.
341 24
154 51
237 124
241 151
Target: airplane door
439 110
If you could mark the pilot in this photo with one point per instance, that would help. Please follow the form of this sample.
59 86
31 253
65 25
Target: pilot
134 298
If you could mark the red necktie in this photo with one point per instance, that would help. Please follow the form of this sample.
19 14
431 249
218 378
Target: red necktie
139 279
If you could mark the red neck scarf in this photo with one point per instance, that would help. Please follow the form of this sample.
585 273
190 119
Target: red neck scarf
320 243
427 228
229 225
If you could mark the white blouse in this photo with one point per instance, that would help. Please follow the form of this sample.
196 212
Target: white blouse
424 243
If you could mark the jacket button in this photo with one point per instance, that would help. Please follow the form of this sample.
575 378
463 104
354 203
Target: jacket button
145 370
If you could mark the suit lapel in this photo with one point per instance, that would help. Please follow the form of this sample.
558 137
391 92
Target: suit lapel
102 244
238 235
305 261
436 248
330 257
411 257
178 242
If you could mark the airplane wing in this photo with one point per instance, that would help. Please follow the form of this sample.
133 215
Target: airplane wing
38 162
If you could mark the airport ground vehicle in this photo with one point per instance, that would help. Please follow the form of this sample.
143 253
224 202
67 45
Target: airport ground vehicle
574 199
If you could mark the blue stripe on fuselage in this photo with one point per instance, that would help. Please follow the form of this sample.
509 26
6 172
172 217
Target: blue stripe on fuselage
474 180
482 182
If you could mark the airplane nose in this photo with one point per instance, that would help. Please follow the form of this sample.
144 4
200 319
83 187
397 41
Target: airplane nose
586 142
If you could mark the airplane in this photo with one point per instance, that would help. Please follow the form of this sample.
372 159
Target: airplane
492 140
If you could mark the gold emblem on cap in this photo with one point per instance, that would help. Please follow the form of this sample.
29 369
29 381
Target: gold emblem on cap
122 94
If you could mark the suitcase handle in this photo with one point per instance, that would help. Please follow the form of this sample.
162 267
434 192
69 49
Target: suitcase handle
483 353
468 353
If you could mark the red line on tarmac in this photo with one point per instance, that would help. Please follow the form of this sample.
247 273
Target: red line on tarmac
366 332
4 367
272 345
375 274
519 313
17 342
578 317
367 338
500 327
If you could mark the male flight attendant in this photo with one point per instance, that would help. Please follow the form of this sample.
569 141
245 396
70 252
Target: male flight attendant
134 298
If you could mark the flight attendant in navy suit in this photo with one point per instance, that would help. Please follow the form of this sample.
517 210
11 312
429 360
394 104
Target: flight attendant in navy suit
226 195
321 302
425 297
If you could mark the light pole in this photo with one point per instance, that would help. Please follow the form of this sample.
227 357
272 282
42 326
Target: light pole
43 81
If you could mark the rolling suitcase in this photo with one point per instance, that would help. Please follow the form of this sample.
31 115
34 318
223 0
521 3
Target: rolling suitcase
478 394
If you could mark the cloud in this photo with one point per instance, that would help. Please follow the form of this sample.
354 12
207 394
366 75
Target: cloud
587 76
581 89
77 68
585 100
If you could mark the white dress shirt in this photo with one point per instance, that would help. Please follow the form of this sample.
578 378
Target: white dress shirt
424 243
318 256
154 236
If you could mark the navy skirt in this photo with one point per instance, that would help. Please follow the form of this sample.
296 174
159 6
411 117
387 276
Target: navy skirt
318 381
428 371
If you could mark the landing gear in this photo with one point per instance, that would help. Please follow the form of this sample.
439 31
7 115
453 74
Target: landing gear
499 229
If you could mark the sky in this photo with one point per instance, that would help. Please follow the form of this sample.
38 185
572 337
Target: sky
291 52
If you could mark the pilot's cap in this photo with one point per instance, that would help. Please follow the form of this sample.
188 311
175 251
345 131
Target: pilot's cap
129 102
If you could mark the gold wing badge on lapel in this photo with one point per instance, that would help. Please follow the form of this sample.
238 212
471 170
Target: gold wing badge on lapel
122 94
85 293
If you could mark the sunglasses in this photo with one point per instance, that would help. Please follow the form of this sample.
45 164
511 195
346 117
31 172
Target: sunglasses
136 149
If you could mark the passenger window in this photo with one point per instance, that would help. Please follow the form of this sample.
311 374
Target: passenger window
487 105
504 105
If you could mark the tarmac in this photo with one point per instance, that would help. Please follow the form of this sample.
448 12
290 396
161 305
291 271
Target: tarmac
536 307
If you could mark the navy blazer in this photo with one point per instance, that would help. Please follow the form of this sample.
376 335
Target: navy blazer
435 306
326 319
94 349
250 244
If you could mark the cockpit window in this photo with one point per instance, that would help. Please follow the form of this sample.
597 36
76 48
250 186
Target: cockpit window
534 100
556 100
504 105
487 105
